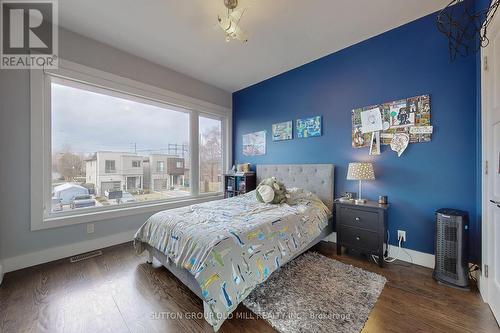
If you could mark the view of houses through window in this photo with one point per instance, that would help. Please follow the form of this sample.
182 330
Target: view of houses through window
109 150
210 155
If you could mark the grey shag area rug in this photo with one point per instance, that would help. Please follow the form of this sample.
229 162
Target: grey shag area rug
314 293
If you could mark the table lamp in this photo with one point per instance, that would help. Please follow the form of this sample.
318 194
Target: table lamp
360 171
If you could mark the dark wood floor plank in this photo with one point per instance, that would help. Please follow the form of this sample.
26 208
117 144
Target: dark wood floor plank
119 292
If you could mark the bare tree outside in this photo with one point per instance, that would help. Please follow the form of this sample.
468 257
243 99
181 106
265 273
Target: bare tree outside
210 155
70 166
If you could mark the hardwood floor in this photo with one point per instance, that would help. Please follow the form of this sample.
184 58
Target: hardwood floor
119 292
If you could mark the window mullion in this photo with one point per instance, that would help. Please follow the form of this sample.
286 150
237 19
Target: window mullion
194 151
47 146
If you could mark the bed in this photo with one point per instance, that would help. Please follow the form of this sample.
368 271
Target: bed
222 249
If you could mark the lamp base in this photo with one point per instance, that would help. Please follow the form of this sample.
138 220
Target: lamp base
360 201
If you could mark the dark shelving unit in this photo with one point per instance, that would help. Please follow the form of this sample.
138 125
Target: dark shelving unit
235 185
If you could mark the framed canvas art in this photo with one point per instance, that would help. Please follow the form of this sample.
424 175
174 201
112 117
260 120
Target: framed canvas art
254 144
308 127
282 131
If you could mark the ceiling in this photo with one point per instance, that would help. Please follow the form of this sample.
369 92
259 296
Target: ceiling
283 34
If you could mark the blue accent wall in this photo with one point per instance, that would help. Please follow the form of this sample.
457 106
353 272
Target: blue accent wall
407 61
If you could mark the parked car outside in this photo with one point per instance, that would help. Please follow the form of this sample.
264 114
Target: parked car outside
68 191
82 201
57 204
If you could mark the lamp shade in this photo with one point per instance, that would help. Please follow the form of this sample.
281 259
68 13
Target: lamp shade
360 171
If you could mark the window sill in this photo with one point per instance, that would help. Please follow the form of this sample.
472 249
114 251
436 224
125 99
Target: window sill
86 217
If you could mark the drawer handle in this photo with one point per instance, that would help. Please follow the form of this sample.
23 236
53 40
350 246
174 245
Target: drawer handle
357 238
357 219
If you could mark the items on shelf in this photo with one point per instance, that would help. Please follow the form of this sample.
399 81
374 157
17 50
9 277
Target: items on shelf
239 183
244 167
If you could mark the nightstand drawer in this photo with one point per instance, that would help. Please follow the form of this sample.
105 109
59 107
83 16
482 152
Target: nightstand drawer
359 238
359 218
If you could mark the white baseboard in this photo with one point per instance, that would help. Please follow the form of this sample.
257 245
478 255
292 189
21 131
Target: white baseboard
482 285
59 252
419 258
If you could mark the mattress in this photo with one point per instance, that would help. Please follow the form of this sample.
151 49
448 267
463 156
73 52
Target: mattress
232 245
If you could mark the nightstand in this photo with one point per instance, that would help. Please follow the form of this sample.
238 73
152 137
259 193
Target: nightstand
362 227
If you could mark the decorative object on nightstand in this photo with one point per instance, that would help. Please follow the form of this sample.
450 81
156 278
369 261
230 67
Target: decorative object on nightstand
348 197
239 183
360 171
362 227
382 199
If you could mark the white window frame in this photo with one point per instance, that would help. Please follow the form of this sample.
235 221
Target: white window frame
40 87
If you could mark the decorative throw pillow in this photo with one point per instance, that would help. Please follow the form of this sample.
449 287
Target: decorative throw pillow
271 190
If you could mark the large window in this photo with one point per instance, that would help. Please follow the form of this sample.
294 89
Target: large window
105 146
210 154
99 139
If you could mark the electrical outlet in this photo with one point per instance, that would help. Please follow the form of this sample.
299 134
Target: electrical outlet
402 235
90 228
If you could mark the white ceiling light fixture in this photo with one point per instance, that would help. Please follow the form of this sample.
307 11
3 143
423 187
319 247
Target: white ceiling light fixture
230 22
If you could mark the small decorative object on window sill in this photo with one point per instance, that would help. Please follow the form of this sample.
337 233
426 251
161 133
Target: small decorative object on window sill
360 171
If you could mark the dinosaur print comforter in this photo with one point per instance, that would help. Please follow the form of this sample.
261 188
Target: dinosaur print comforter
232 245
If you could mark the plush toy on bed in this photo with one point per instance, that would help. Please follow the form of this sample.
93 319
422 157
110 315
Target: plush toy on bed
272 191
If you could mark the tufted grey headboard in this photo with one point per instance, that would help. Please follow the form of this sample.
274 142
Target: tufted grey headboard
317 178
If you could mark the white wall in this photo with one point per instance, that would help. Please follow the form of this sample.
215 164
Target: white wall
126 167
16 238
91 171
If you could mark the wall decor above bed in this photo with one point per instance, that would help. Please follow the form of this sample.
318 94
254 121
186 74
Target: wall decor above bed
308 127
410 116
282 131
254 144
